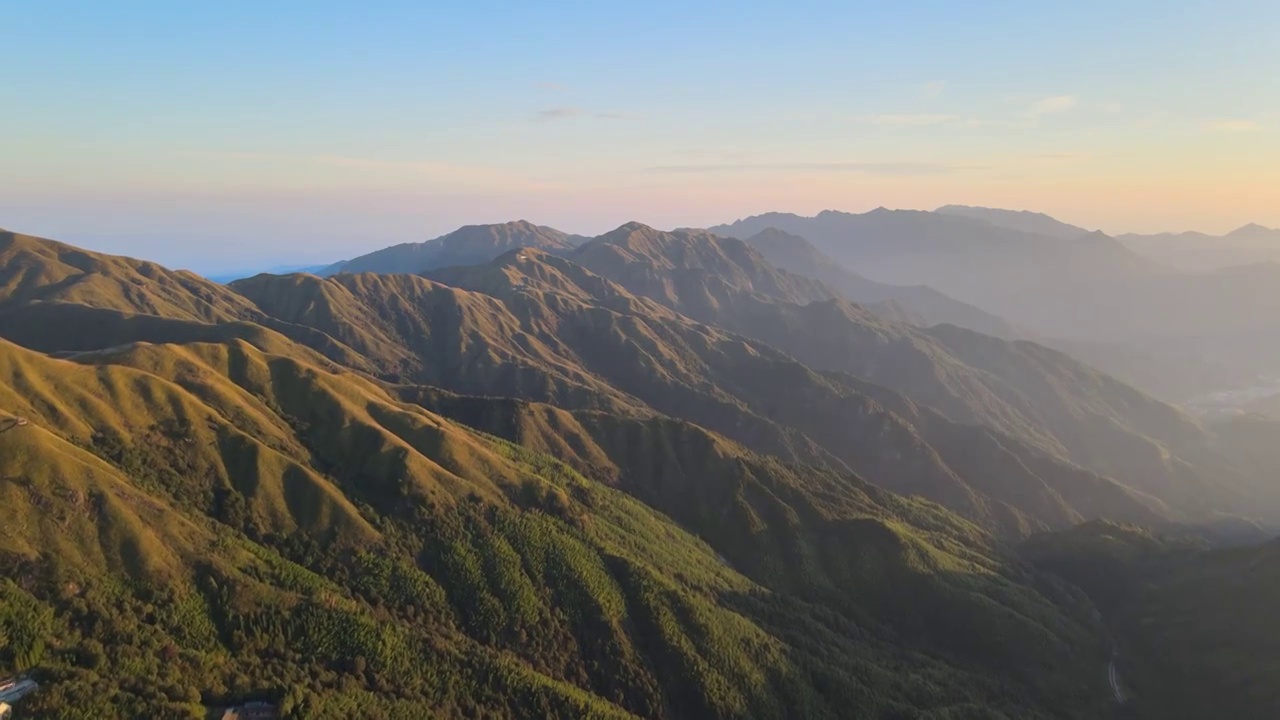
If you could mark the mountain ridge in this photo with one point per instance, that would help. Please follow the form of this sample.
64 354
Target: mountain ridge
923 304
340 493
348 579
1025 220
466 245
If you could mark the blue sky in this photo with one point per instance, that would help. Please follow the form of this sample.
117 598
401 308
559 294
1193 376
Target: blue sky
240 134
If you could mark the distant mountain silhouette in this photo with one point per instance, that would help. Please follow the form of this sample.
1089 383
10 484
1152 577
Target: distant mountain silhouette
225 278
1089 288
1012 273
1201 252
918 304
883 234
1024 220
465 246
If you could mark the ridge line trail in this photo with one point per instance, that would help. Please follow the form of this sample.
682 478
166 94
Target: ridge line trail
1113 676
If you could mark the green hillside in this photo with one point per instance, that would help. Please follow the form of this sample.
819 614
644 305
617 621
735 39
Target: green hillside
208 523
522 489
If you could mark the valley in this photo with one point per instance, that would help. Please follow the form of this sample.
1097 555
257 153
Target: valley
1233 401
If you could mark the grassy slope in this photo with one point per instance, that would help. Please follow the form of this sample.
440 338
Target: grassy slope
818 534
38 270
181 490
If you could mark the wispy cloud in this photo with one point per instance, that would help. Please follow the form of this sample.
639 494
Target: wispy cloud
1157 118
410 171
1050 106
1032 111
922 120
867 168
912 120
1235 126
558 113
933 89
566 112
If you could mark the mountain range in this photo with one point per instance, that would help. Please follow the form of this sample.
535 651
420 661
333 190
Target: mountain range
648 474
1250 244
1193 252
1011 274
955 376
1005 270
1064 286
476 244
915 304
1021 220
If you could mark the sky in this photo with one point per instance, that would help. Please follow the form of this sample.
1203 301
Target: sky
236 135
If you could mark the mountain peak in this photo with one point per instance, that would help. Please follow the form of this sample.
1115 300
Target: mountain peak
656 245
773 234
468 245
633 226
828 214
1022 220
509 226
1253 230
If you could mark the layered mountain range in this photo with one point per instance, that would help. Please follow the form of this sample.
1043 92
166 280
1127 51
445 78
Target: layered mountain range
649 474
914 304
1250 244
1167 330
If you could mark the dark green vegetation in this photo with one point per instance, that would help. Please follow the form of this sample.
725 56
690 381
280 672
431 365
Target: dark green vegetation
661 488
1195 626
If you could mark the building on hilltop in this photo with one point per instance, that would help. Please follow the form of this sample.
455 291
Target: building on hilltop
14 689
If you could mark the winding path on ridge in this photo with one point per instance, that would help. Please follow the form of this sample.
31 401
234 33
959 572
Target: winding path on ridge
1114 677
